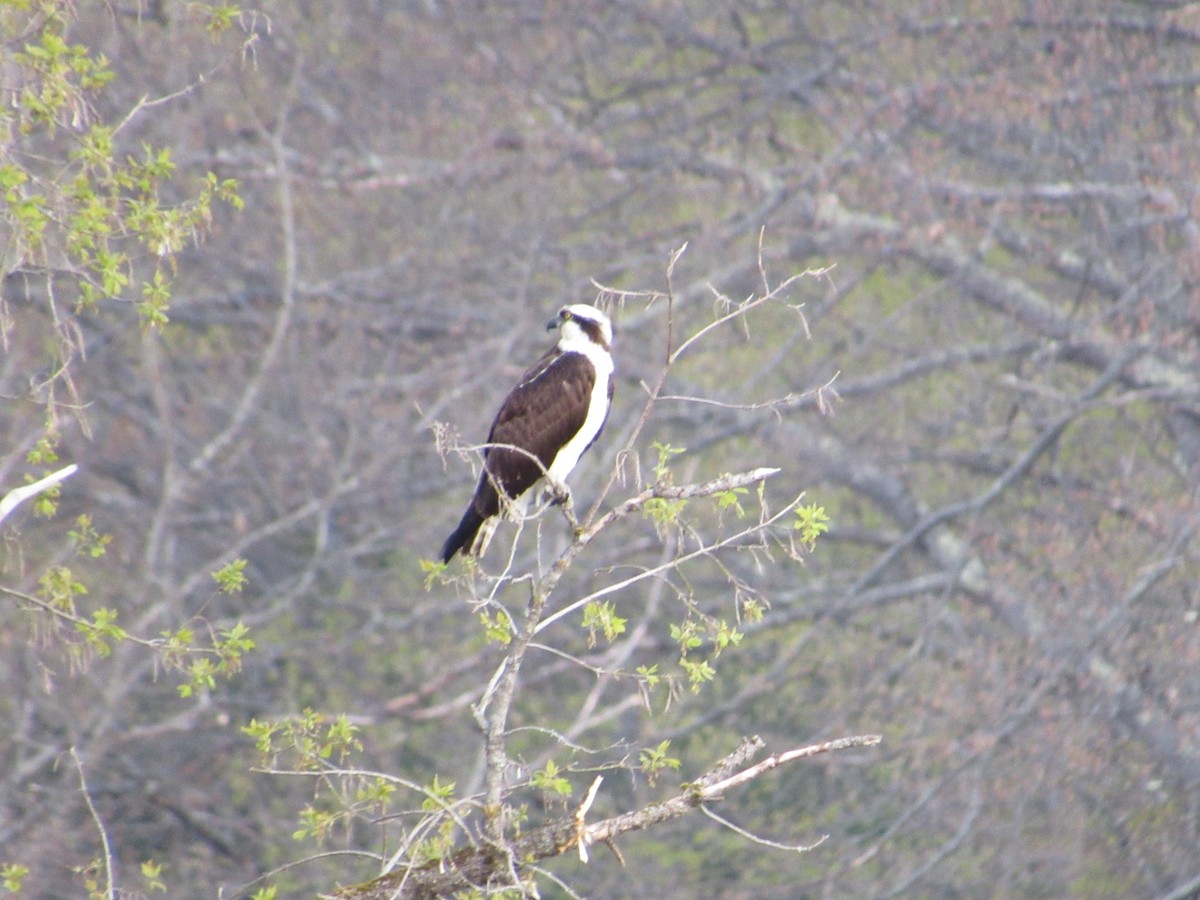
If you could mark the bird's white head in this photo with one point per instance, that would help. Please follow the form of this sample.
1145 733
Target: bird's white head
579 325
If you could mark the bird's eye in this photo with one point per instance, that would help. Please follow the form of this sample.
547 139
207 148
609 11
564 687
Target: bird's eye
566 315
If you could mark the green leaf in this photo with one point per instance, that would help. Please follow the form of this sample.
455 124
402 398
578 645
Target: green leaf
662 511
662 472
654 761
687 636
434 569
340 739
649 674
221 17
231 577
59 587
729 500
88 541
497 629
603 618
12 875
101 630
549 780
442 791
152 873
811 521
698 672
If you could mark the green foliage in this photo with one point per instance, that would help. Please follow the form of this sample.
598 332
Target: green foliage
88 541
263 734
726 500
155 302
377 792
316 823
549 779
44 454
340 739
59 588
602 617
231 645
698 631
649 674
69 193
13 875
686 635
662 469
58 75
654 761
498 628
60 592
438 795
662 511
224 657
434 570
313 742
202 674
175 645
93 879
811 521
231 577
725 635
693 633
101 630
698 671
309 739
220 17
752 609
152 876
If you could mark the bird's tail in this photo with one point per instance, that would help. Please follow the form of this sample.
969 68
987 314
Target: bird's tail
464 535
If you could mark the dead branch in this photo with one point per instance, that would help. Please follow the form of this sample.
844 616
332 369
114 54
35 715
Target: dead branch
19 495
479 866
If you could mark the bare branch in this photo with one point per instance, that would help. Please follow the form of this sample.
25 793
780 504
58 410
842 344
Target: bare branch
479 866
110 891
17 496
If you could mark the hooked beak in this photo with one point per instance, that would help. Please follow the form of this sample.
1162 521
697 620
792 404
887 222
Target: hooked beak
555 322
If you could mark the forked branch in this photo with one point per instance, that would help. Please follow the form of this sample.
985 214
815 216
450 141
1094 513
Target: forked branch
481 866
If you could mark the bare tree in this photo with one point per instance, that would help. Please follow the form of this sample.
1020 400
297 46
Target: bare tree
1006 592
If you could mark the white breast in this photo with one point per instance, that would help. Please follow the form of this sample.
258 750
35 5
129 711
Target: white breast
568 456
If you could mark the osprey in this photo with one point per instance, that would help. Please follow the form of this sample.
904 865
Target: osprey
548 420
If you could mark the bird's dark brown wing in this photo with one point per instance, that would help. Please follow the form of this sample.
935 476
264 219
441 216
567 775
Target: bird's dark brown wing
541 414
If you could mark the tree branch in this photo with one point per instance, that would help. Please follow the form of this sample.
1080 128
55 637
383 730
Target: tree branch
477 866
17 496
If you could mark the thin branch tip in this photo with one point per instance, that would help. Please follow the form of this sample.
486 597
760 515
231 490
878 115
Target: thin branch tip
19 495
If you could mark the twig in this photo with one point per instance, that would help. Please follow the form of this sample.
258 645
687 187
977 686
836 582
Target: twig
110 892
713 785
669 493
248 403
715 791
743 308
751 836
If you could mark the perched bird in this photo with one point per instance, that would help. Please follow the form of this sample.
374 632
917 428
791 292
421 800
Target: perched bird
548 420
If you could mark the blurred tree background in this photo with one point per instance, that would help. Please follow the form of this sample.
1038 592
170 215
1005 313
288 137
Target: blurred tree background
1008 195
